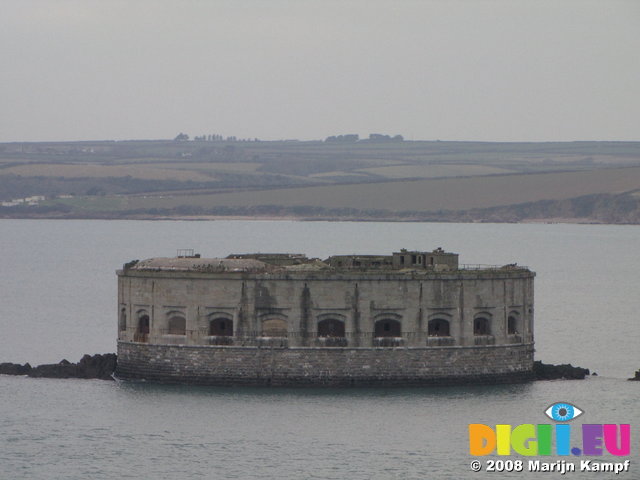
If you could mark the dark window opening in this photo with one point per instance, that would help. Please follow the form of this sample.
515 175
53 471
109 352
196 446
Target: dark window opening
142 331
123 320
512 326
388 328
413 259
481 326
143 325
438 328
401 260
331 328
177 326
221 327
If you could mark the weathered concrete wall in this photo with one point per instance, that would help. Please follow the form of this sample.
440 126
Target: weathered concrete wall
257 303
218 365
304 300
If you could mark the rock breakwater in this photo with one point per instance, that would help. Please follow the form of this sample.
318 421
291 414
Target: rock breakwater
100 366
545 371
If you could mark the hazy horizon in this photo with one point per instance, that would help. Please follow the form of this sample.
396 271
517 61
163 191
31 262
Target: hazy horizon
529 71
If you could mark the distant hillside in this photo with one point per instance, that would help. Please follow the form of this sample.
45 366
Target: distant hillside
393 180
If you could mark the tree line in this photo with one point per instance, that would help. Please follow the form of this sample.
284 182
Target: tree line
373 137
214 137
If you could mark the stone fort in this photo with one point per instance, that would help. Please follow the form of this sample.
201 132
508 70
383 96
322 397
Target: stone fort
409 318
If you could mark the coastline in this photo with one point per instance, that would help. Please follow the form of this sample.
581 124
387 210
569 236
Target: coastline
306 218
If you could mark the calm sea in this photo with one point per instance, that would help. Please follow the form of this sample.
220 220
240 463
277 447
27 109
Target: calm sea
58 300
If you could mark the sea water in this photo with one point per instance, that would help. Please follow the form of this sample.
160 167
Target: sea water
58 300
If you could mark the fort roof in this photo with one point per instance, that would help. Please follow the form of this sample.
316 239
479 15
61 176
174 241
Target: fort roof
197 264
403 261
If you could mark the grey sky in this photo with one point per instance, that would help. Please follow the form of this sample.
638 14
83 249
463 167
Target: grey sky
450 70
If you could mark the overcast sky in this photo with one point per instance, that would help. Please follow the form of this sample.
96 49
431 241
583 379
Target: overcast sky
450 70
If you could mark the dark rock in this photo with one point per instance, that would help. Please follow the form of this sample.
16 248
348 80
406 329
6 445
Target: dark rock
14 369
636 378
544 371
54 370
96 366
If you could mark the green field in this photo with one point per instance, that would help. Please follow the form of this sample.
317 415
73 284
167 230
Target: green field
422 195
333 180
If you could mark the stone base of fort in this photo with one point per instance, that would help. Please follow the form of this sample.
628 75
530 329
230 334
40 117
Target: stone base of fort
306 366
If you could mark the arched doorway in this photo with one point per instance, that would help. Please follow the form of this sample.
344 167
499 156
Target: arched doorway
481 326
122 325
438 327
221 327
177 325
331 333
331 327
513 325
142 331
387 327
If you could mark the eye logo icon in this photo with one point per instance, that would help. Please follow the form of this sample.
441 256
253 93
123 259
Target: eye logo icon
563 412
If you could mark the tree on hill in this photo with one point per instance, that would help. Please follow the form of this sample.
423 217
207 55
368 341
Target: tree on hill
343 138
377 137
182 137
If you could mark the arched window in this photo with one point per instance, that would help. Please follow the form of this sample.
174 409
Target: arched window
143 324
177 325
221 327
142 329
481 326
274 327
331 328
387 328
122 325
513 324
438 327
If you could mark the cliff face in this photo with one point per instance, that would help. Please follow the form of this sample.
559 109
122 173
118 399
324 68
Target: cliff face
597 208
600 208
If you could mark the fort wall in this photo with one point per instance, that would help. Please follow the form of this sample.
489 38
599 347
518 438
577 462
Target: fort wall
308 366
244 321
